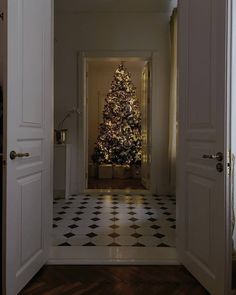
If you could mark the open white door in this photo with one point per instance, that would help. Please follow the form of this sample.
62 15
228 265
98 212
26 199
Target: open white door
29 139
203 231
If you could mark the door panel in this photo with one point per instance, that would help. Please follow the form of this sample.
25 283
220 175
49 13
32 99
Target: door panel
29 130
201 189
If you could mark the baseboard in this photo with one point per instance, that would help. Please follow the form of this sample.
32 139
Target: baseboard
113 256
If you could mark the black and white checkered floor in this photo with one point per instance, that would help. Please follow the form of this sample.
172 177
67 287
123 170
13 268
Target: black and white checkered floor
115 220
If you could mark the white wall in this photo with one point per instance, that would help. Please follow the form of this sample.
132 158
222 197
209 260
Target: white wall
76 32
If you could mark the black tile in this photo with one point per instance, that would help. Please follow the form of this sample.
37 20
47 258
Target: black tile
155 226
138 245
152 219
97 213
136 235
76 218
171 219
91 235
159 236
113 235
131 213
57 218
167 213
149 213
95 219
89 244
69 235
54 225
79 212
114 244
65 244
93 226
61 213
133 219
163 245
82 207
65 207
73 226
98 207
114 219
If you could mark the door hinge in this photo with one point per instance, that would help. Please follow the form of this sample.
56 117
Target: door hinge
2 16
230 162
3 160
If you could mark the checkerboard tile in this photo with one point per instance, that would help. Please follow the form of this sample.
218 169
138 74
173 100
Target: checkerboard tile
115 220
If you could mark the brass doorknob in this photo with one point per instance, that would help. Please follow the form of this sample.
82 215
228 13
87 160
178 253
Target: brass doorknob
218 156
14 155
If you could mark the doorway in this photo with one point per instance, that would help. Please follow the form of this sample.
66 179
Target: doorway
32 119
120 221
118 130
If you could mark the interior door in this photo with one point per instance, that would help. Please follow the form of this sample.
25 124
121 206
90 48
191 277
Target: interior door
29 139
203 231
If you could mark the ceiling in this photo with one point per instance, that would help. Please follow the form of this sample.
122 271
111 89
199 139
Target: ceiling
113 5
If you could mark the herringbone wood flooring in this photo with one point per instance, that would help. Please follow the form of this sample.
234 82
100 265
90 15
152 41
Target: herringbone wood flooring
113 280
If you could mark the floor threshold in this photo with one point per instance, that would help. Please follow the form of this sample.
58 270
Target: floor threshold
113 255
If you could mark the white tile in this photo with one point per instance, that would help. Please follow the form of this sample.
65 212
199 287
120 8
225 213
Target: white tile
149 241
59 240
146 231
81 230
78 240
125 240
102 240
125 231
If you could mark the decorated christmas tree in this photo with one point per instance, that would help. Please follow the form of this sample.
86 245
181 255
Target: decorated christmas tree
119 140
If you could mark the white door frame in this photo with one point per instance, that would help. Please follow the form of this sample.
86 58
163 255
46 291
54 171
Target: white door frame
153 57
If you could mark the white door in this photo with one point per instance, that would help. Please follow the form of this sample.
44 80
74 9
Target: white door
203 231
29 138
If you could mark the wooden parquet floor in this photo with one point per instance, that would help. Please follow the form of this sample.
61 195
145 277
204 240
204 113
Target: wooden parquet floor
113 280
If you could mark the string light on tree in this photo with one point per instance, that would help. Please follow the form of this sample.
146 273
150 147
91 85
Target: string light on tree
119 141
